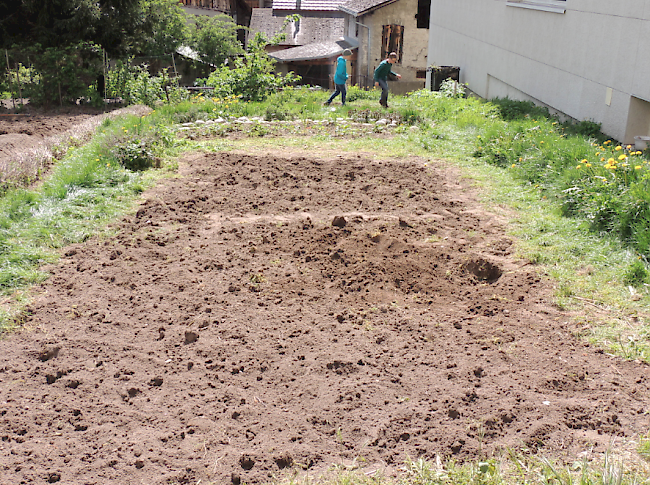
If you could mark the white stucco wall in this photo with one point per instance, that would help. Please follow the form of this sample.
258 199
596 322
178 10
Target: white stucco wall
568 61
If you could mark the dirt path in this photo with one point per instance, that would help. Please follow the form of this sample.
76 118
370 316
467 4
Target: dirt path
264 313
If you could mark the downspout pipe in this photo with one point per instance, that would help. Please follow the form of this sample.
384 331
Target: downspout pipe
368 49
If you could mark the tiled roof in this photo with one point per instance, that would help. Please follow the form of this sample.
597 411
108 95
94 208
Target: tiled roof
359 7
318 50
309 30
314 5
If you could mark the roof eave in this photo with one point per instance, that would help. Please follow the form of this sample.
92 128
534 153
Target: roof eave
366 11
348 11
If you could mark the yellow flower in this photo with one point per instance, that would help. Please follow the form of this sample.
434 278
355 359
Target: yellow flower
638 167
618 148
587 164
578 166
622 157
629 147
597 153
513 165
639 152
602 159
584 160
607 142
611 160
541 142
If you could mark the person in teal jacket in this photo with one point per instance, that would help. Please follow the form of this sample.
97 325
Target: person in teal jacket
381 77
340 76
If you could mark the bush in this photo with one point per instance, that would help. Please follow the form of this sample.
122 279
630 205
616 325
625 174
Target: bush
511 109
136 153
452 89
355 93
252 78
636 274
135 85
586 128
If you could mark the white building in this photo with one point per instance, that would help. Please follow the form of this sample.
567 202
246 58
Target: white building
586 59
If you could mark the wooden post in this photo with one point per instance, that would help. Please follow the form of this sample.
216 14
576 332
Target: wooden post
9 71
174 64
20 90
105 79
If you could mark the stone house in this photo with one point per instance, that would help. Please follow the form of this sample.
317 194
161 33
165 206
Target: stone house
400 26
312 43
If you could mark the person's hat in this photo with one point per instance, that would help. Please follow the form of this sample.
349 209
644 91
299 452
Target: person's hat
347 52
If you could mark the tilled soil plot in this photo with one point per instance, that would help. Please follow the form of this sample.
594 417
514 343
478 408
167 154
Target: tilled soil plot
42 125
264 313
19 132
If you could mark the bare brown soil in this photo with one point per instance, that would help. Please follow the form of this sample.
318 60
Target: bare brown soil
260 314
20 132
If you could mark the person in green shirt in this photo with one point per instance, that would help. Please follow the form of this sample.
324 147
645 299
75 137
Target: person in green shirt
381 77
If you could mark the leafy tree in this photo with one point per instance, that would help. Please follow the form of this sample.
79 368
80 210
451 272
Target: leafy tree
50 23
65 74
164 28
214 38
121 27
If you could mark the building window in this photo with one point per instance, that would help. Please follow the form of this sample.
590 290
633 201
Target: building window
391 41
424 9
420 74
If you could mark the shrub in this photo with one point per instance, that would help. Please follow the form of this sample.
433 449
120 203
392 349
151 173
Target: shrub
252 78
452 89
135 85
511 109
136 153
355 93
636 274
586 128
276 112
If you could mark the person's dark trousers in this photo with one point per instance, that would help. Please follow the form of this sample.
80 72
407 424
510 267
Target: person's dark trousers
340 88
383 84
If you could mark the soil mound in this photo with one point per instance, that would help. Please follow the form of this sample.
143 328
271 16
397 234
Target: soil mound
261 313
